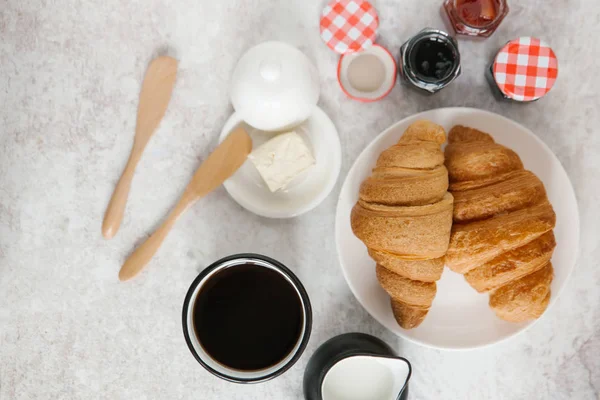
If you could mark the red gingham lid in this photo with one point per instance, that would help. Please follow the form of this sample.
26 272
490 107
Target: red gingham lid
348 26
525 69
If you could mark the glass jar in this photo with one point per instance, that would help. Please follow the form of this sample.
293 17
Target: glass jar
429 61
479 18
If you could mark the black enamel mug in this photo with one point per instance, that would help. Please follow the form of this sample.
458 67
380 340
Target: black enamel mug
247 318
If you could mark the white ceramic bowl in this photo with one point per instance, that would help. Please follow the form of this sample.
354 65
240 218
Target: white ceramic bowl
460 318
305 192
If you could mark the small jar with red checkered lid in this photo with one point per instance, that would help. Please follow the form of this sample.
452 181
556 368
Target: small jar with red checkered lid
366 70
524 70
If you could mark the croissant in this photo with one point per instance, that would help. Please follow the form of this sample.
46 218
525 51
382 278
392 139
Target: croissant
474 243
518 190
513 264
502 238
525 298
404 217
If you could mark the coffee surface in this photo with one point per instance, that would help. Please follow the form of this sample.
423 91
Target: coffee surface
248 317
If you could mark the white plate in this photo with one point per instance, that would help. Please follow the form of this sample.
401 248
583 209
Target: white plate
459 318
308 190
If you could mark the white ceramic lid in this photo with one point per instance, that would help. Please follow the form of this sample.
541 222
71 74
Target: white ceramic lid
274 86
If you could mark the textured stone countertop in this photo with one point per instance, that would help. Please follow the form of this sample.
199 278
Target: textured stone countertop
70 74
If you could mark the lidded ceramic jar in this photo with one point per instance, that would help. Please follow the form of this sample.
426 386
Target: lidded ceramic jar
274 86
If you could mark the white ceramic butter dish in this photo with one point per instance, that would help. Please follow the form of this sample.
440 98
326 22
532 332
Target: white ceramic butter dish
304 192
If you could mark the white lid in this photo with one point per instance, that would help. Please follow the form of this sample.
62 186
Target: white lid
274 86
369 75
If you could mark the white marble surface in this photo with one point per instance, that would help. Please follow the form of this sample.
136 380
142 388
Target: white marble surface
70 75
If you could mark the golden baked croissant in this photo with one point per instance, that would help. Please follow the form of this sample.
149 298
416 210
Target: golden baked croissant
404 217
502 237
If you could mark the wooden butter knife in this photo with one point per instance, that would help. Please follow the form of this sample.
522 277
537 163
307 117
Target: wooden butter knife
154 99
222 163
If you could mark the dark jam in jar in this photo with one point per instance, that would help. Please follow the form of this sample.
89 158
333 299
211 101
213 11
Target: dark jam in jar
432 59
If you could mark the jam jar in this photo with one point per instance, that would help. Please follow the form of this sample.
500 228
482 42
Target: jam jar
524 70
429 61
475 17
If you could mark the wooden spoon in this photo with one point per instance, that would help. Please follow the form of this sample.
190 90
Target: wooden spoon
227 158
154 98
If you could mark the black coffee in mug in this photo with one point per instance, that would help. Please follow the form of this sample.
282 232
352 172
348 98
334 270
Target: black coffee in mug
247 318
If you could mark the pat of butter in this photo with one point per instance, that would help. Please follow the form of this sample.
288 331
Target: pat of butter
282 159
